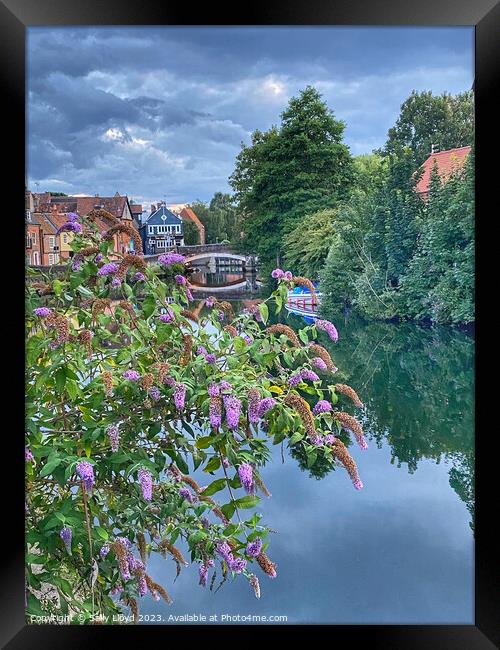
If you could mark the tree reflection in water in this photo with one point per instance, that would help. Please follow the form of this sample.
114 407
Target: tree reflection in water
417 384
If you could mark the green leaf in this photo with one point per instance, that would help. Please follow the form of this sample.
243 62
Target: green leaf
50 466
60 379
102 533
303 336
250 501
311 458
228 509
212 465
204 442
264 311
215 486
296 437
148 306
230 530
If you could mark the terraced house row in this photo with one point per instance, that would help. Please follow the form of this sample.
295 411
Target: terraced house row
45 213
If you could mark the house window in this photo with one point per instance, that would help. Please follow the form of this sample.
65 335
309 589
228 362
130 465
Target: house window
36 259
51 258
65 238
33 238
52 242
28 258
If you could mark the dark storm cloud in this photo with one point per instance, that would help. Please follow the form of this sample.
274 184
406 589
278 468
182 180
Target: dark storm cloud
162 111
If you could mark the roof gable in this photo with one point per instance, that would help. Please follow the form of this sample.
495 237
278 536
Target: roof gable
163 216
447 162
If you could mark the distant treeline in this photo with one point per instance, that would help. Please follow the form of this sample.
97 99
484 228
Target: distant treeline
356 223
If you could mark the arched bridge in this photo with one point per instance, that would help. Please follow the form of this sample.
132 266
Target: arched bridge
208 251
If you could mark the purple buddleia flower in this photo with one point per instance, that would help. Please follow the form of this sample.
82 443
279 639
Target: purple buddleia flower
225 463
117 589
215 412
42 312
154 392
77 263
179 396
142 585
189 295
203 570
170 258
210 359
187 494
329 439
253 406
66 534
329 328
322 407
114 436
85 471
248 339
266 405
277 274
205 523
319 363
180 279
170 381
305 373
233 410
201 350
255 547
317 440
288 275
210 302
295 379
245 472
224 550
146 481
167 317
225 385
98 257
238 565
213 390
132 375
221 316
28 456
72 216
116 282
72 226
104 550
139 277
358 484
108 269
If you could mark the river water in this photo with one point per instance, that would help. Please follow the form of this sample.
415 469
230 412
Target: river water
399 551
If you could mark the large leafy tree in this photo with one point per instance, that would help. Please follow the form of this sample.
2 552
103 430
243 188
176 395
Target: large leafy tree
307 245
289 172
445 121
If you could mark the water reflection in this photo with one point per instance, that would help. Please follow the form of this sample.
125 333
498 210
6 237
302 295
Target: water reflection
418 387
400 551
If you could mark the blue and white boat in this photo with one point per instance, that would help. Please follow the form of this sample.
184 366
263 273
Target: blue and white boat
301 302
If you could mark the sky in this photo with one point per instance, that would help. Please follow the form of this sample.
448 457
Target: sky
159 113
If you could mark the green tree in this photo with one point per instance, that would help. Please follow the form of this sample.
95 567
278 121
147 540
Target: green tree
289 172
191 234
445 121
307 245
439 284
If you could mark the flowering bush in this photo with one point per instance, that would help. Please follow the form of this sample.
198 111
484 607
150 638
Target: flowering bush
129 393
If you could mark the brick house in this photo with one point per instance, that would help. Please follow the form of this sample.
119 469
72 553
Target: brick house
189 214
446 162
52 211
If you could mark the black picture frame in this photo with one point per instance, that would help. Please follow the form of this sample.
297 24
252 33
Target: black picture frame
16 16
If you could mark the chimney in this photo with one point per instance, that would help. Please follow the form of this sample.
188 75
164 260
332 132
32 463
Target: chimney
96 194
153 208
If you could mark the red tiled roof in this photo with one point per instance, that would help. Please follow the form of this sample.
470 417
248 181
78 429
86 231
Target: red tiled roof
113 204
136 208
48 228
447 162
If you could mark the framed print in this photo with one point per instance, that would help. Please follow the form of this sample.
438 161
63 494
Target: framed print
249 297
